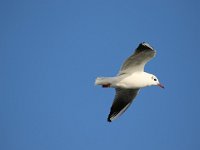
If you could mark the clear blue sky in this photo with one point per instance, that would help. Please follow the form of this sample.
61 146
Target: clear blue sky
52 51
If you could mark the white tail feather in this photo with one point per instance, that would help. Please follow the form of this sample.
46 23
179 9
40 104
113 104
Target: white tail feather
103 80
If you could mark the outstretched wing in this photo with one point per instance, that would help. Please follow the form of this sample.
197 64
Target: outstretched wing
123 99
136 62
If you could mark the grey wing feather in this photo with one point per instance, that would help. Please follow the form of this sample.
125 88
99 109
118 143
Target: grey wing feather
138 59
123 99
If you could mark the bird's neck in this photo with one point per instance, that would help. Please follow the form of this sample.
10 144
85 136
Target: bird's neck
145 78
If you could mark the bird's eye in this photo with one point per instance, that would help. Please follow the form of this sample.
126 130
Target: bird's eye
155 79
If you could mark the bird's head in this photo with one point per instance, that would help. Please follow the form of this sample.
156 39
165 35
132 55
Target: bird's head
154 81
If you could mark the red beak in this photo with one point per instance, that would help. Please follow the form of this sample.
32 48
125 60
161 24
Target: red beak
160 85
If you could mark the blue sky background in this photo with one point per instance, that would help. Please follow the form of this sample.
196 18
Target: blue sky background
52 51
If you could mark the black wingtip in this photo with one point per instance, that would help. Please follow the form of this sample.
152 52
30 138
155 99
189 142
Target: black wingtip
108 119
145 45
143 42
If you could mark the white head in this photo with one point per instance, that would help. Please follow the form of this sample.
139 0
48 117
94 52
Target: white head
153 80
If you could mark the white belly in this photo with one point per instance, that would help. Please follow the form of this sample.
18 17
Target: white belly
133 81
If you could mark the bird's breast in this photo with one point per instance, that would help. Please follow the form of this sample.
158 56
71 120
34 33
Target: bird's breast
133 81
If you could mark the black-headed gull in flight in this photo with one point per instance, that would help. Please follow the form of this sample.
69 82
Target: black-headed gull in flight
130 79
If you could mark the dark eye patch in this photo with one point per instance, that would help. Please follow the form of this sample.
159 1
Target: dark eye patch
155 79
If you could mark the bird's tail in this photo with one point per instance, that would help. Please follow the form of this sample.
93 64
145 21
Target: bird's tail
104 81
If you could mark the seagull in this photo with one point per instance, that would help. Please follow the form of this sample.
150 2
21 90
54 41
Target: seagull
130 79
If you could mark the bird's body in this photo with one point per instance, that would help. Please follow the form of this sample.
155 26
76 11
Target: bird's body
133 81
130 79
